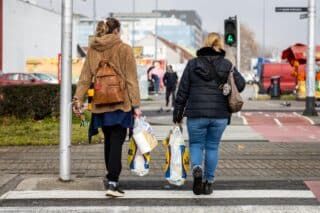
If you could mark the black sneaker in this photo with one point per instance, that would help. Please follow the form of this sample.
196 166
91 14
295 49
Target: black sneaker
114 191
197 180
207 188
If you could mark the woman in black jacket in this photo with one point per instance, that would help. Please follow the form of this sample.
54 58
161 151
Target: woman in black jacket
200 99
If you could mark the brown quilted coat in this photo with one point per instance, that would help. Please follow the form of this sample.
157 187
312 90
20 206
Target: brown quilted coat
120 55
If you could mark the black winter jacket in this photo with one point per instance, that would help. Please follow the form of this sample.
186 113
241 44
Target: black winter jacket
170 79
198 94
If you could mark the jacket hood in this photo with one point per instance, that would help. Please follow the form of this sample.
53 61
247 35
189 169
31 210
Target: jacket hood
206 59
105 42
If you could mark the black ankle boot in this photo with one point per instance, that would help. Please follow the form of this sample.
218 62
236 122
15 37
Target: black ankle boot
197 180
207 188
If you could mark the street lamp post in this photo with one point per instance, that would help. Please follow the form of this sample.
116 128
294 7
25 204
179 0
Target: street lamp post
65 97
133 21
310 96
263 28
94 14
156 33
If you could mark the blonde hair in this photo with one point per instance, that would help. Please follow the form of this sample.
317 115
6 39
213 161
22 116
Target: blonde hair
214 41
101 29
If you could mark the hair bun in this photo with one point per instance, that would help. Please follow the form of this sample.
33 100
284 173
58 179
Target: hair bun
101 29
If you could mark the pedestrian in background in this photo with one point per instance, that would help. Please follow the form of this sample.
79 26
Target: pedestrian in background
156 74
116 118
201 100
170 80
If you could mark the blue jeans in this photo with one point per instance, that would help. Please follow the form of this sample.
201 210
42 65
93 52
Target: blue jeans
156 83
205 135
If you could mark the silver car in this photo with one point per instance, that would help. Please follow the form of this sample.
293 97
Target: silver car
46 77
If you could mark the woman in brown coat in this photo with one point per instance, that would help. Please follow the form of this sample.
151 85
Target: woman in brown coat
116 118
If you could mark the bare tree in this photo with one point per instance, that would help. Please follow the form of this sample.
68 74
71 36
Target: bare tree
249 48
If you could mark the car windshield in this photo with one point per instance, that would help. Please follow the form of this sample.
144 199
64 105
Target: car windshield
43 77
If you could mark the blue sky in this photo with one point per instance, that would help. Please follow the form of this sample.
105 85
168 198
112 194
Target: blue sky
281 29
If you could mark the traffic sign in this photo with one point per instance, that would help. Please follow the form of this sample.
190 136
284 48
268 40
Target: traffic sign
291 9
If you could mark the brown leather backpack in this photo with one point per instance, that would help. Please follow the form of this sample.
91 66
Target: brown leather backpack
108 85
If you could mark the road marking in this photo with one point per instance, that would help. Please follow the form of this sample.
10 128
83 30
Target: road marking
308 119
169 209
305 117
244 120
278 122
160 209
297 114
157 194
312 137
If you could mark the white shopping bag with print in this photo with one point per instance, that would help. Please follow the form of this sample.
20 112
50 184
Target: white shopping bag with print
177 157
144 136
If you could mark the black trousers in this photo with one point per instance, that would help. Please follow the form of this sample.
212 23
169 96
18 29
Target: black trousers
114 137
170 91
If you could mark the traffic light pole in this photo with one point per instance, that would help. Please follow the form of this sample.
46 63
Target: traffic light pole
238 51
238 44
310 96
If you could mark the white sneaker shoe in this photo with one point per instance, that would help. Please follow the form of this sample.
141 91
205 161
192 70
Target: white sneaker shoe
114 191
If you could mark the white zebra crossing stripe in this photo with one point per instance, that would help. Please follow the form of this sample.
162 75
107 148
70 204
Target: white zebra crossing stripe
167 209
157 194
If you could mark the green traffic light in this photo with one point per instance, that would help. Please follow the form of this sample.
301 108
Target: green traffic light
230 39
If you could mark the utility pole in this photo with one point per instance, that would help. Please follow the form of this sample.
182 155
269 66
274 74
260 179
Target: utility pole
263 29
94 15
238 52
156 34
310 77
238 45
133 20
65 91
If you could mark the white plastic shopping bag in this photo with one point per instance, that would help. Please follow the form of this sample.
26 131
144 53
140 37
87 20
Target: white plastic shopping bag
138 163
143 136
177 157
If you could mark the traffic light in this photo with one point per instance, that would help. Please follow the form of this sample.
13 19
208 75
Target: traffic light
230 31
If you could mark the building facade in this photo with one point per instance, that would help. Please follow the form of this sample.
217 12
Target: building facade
192 20
135 26
29 31
167 51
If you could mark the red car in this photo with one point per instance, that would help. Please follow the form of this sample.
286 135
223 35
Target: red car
19 78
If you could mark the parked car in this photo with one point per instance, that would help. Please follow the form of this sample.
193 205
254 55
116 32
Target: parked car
249 77
19 78
49 78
